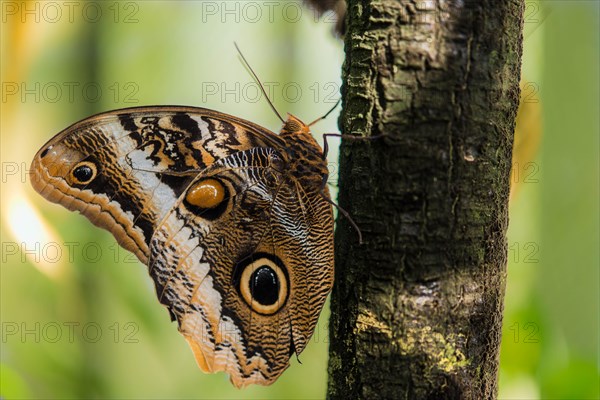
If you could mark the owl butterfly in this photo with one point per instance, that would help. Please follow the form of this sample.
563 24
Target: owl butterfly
233 221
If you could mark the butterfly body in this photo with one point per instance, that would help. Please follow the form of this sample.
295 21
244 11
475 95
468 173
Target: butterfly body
230 218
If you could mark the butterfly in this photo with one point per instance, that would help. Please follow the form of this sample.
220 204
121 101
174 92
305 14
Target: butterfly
233 221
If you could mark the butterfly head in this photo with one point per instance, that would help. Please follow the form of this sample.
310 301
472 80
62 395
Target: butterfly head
293 125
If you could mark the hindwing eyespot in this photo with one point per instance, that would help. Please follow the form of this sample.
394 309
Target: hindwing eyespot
263 283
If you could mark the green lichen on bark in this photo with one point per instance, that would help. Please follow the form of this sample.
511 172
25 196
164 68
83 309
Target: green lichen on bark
417 309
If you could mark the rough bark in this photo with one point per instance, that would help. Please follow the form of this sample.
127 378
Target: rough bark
417 308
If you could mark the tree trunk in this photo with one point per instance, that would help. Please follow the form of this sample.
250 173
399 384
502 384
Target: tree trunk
417 308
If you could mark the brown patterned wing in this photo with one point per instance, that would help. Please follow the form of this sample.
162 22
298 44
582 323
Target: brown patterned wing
124 169
247 277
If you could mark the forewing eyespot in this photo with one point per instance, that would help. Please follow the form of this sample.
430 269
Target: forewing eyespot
83 173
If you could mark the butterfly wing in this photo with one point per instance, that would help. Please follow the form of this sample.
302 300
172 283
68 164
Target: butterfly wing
124 169
246 283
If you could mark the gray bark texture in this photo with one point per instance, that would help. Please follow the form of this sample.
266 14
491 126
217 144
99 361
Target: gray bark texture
417 308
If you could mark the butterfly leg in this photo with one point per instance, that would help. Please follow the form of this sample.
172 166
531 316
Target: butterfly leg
340 209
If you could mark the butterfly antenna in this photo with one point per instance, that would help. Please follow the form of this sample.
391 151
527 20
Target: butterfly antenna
326 114
258 81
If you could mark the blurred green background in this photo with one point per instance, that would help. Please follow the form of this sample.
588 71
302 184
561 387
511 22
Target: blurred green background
79 315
